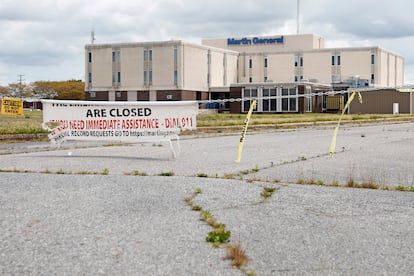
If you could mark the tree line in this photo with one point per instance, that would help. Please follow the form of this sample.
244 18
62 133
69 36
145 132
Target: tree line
59 90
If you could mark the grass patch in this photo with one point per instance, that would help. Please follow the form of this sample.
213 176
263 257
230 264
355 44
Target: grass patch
403 188
268 192
255 169
196 208
237 255
202 175
219 235
228 176
166 174
30 123
301 181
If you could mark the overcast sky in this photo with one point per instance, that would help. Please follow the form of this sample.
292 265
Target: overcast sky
45 39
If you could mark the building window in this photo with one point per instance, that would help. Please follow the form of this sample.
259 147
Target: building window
265 62
150 76
333 60
265 79
145 55
301 61
89 77
296 61
150 55
175 55
292 101
250 63
269 100
119 77
145 77
296 78
175 77
248 93
372 59
372 78
289 99
250 79
116 56
308 99
338 60
90 57
113 77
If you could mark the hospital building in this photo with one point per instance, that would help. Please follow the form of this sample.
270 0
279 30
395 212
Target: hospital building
277 70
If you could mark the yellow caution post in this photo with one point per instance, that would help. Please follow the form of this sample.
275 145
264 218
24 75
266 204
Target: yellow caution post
244 130
335 133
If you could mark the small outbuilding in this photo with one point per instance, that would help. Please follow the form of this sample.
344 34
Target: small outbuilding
384 101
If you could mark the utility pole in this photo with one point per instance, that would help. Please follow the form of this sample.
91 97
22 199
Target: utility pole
297 17
20 84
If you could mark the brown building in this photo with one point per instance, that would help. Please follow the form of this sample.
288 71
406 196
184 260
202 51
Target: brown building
384 101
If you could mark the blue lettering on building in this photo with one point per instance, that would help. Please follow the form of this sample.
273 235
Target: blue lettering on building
255 40
243 41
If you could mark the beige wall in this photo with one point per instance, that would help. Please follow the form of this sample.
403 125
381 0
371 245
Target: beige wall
163 66
216 71
195 69
231 70
281 67
101 67
317 66
131 68
356 63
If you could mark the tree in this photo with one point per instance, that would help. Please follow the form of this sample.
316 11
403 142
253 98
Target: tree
19 90
61 90
3 91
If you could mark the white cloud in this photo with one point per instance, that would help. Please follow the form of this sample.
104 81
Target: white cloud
44 39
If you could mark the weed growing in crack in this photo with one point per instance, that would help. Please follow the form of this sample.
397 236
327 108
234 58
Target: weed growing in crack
268 192
228 176
237 255
166 174
219 235
403 188
196 208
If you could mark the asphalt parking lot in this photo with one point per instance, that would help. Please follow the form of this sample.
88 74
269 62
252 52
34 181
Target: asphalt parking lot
81 209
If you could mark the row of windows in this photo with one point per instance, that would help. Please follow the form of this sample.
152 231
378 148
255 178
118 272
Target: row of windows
116 57
116 77
300 78
267 99
299 61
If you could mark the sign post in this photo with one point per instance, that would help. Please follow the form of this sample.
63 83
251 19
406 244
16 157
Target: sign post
12 106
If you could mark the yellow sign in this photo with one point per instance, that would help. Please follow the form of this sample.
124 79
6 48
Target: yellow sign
243 134
11 106
335 133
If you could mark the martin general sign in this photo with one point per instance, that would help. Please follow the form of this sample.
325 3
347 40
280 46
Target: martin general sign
254 41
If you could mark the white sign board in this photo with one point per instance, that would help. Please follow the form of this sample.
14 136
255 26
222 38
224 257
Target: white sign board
120 121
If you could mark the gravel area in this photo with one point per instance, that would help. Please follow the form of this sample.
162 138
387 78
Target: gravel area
85 224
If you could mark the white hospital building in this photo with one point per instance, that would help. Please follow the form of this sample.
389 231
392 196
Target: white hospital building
236 67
